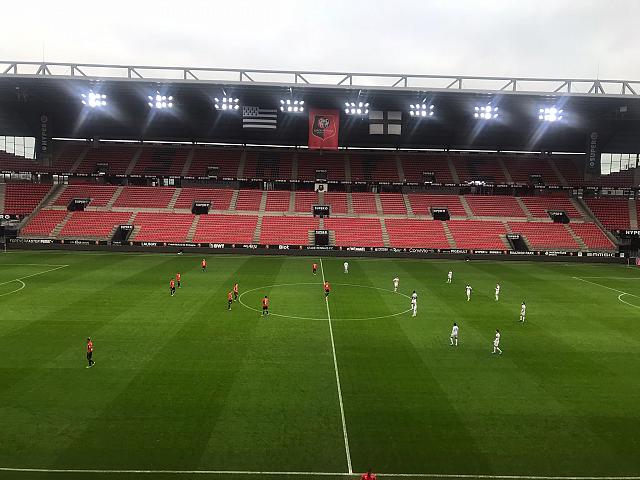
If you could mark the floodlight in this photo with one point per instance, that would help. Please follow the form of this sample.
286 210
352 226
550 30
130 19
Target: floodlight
291 106
486 112
420 110
229 104
94 100
159 101
550 114
357 108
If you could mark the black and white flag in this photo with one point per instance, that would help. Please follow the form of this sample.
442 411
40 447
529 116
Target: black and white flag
256 117
385 123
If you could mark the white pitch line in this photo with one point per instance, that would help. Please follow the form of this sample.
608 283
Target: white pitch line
335 366
34 274
608 288
32 265
322 474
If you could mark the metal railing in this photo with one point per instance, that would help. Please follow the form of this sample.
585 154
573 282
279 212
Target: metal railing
363 80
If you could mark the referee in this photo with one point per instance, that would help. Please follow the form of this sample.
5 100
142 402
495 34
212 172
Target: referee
90 353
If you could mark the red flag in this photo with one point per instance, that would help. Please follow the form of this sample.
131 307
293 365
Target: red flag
323 129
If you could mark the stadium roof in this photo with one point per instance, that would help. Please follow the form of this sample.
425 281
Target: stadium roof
30 89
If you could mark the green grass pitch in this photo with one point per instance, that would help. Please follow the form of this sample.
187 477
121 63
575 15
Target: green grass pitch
182 384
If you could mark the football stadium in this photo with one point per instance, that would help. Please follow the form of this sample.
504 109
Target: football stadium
285 274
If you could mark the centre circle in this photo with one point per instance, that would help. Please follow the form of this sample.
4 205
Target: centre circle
319 287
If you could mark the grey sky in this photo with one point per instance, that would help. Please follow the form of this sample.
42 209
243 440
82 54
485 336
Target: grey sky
580 38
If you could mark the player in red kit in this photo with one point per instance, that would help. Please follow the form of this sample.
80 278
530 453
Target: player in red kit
229 300
90 353
314 268
172 287
368 476
235 291
203 264
265 305
327 289
178 279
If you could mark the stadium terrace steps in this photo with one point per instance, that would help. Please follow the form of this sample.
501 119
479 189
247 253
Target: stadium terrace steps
347 168
174 198
350 209
452 168
187 164
385 235
58 228
294 166
257 232
134 161
241 164
524 207
407 205
399 168
466 206
79 160
577 239
449 235
292 201
234 200
633 214
379 209
193 228
114 197
3 189
24 198
505 171
592 236
43 223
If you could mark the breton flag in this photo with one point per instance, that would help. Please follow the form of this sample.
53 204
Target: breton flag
256 117
385 123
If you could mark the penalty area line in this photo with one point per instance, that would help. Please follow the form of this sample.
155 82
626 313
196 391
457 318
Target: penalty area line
322 474
335 366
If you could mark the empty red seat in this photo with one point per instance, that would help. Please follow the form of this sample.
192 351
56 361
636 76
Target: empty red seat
89 224
219 198
43 222
287 230
23 198
406 233
232 229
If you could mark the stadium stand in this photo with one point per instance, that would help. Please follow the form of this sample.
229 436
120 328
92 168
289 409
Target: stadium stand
545 235
486 169
305 201
337 201
66 159
100 195
364 232
287 230
43 223
392 204
227 161
13 163
249 200
405 233
278 201
364 203
522 168
613 213
478 234
414 166
89 225
145 197
153 226
268 165
161 161
117 157
539 206
23 198
494 206
592 236
422 203
220 198
309 162
379 168
226 228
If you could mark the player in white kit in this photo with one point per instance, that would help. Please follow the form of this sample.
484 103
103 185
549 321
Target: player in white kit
396 282
497 291
454 335
523 311
414 306
449 276
346 267
468 290
496 343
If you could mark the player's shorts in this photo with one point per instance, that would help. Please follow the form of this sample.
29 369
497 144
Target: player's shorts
89 355
173 289
265 308
496 344
454 335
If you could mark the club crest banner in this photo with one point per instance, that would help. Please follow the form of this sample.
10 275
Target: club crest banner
323 129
